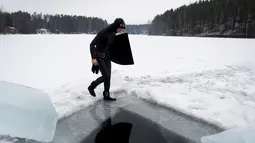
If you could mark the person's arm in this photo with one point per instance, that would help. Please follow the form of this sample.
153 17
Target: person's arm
93 47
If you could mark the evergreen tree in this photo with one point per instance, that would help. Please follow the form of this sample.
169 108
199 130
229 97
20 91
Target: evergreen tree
208 17
2 21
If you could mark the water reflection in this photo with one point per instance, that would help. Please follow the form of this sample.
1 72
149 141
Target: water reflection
117 133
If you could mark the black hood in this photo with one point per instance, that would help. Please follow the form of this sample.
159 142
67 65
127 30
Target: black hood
118 23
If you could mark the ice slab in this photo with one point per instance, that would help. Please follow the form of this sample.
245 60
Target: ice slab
26 113
236 135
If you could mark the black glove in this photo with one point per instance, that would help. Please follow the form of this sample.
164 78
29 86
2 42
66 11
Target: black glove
95 69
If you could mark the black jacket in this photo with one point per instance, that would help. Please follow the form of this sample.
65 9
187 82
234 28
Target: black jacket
104 39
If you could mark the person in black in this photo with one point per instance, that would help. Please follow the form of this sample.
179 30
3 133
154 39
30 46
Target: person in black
99 54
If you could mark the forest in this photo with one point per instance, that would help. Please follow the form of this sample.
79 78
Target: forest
26 23
229 18
214 18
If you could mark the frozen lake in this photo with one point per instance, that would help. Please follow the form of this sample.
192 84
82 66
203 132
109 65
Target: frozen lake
209 78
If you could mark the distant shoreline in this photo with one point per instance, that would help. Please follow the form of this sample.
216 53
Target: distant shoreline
195 36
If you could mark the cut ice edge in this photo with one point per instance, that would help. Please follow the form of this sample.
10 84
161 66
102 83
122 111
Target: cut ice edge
180 110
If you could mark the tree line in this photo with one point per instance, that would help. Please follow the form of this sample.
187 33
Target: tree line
231 18
27 23
137 29
207 18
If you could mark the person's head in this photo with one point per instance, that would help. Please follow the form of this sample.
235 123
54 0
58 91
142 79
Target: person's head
118 25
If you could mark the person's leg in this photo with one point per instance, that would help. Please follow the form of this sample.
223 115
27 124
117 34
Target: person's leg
107 83
107 78
103 70
99 80
94 84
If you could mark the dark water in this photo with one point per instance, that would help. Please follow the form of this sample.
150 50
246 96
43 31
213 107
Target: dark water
128 127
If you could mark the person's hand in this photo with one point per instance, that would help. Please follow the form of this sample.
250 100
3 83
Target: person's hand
95 69
94 62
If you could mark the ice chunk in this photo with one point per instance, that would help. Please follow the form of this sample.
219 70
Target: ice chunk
237 135
26 113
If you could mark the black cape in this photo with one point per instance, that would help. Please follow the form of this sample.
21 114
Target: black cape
120 51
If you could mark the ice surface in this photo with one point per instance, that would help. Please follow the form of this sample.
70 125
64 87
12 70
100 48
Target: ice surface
236 135
210 78
26 113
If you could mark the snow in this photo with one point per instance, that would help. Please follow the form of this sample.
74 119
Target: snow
209 78
26 113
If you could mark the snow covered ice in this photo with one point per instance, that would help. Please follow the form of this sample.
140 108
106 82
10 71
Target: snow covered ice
26 113
210 78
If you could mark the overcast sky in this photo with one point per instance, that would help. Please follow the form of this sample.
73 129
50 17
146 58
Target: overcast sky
133 11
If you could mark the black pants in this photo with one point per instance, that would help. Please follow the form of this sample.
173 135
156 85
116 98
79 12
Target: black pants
105 69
